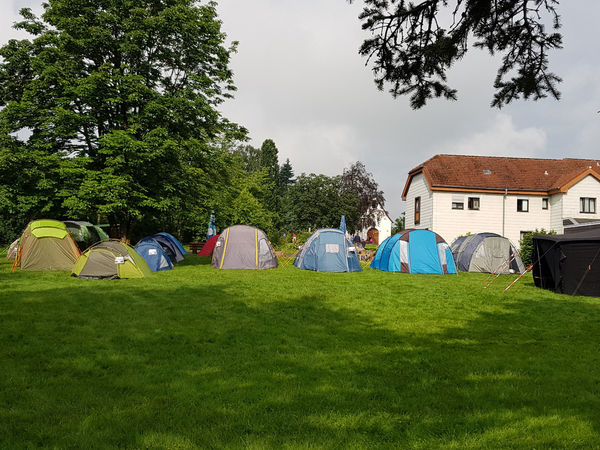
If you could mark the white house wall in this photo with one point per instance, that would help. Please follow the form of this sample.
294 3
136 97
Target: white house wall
419 188
451 223
588 187
556 213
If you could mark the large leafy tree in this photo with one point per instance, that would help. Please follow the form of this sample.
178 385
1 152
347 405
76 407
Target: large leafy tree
315 201
415 43
129 89
361 185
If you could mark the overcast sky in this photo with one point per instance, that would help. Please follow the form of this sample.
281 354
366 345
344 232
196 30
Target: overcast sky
302 83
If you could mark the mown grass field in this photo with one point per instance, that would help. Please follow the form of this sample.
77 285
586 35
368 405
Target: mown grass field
200 358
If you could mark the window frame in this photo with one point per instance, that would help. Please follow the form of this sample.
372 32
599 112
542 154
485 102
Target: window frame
417 216
545 203
591 205
521 202
471 201
458 205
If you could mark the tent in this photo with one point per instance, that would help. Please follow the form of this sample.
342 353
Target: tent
243 247
171 246
108 260
46 245
567 264
11 253
209 246
153 254
175 241
85 233
486 252
414 251
328 250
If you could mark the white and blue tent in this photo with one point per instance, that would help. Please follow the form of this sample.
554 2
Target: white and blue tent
328 250
415 251
154 255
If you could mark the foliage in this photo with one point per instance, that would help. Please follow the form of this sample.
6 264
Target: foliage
286 176
412 47
314 201
201 358
357 181
526 245
269 161
399 224
128 90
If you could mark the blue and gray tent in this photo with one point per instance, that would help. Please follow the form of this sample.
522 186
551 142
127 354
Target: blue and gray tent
486 252
328 250
149 249
170 245
174 240
414 251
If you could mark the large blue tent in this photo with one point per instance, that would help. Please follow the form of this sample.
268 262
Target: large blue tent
414 251
328 250
149 249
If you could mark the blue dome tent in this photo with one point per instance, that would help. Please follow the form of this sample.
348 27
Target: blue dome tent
171 248
149 249
175 241
328 250
414 251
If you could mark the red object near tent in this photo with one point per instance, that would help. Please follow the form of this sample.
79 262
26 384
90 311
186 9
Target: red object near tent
209 246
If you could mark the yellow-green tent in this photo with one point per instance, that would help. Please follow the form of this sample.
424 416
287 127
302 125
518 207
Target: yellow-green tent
46 245
109 260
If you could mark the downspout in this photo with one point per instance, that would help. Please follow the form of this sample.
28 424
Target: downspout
504 210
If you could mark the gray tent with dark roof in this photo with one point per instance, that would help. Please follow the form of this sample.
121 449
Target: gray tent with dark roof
486 252
243 247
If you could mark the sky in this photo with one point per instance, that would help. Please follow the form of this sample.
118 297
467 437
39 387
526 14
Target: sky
302 83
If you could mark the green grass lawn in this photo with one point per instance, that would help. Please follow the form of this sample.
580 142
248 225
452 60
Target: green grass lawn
201 358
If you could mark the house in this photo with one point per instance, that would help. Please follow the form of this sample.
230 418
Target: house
382 229
455 194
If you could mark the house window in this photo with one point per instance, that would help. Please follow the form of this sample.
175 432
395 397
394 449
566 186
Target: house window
587 205
544 203
417 210
458 205
522 205
474 203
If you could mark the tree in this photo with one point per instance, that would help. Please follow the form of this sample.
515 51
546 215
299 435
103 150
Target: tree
286 176
314 201
369 199
129 89
250 156
399 224
411 49
269 161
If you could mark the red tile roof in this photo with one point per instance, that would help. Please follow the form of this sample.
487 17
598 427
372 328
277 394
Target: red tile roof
491 173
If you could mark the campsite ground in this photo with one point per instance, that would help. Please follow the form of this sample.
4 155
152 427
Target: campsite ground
196 358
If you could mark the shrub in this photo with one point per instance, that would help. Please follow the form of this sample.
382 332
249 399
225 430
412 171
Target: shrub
526 245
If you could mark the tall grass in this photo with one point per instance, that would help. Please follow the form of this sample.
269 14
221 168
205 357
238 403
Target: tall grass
201 358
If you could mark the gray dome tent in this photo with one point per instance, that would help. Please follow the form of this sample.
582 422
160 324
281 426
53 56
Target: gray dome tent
486 252
243 247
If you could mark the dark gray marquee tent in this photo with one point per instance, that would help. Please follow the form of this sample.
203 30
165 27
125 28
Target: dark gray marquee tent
568 264
243 247
486 252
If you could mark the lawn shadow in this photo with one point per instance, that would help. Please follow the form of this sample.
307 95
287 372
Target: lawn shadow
204 367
